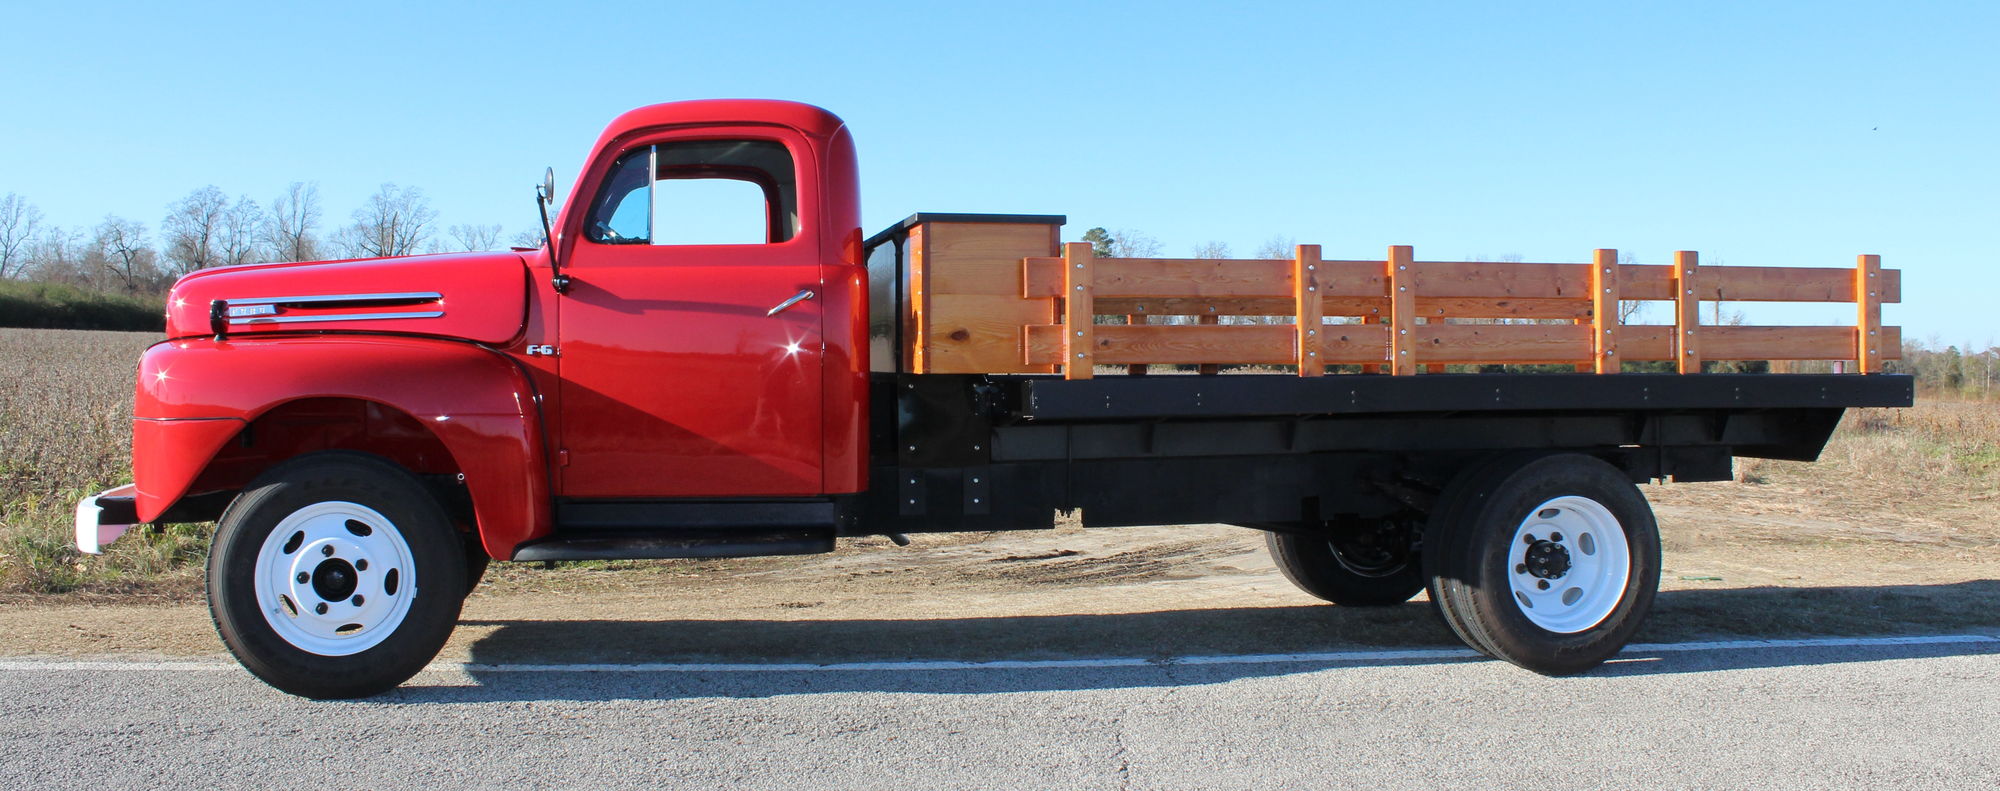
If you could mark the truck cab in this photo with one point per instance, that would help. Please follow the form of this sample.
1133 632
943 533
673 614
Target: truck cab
709 342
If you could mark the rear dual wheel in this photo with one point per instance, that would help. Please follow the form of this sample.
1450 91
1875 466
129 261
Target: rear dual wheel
1548 562
1369 564
336 575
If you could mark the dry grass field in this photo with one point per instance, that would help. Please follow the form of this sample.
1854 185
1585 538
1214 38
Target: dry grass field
66 432
1908 497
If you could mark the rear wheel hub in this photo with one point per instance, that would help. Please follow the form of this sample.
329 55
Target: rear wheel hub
1548 560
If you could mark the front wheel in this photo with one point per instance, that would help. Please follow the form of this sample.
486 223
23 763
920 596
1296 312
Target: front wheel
335 575
1551 564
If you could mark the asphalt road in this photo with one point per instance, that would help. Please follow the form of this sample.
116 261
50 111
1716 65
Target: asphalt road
1794 716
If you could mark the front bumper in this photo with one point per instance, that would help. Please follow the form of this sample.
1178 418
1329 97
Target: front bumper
101 519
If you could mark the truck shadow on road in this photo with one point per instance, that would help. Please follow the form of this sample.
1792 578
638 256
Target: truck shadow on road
1403 635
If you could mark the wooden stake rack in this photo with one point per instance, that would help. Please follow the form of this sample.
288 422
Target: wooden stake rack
1404 309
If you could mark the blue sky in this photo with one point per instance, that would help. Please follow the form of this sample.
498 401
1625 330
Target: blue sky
1770 133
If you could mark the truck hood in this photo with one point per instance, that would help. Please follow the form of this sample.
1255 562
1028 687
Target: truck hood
476 296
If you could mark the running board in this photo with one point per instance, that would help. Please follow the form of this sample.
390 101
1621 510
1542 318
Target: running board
678 543
768 514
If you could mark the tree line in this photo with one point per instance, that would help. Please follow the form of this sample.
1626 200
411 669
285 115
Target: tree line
207 228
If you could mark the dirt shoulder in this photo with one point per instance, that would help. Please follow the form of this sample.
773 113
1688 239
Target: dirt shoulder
1741 561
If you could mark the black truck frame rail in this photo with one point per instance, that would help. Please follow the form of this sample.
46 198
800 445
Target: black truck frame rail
993 452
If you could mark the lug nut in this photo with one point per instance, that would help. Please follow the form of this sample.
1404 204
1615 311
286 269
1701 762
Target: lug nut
1520 568
357 600
326 550
320 608
1543 584
361 565
1555 536
304 578
1529 539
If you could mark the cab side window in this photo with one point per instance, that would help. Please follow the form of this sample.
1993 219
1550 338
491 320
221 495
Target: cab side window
699 192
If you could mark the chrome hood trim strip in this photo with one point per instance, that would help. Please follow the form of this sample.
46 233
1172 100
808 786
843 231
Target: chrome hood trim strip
421 314
400 296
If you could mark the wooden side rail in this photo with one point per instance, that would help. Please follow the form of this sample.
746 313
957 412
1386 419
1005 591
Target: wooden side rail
1470 344
1377 306
1260 283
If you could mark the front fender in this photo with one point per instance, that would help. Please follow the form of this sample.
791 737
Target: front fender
195 395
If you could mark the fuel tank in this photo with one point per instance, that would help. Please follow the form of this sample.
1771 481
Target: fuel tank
475 296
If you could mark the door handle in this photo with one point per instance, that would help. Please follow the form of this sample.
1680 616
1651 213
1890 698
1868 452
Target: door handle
803 295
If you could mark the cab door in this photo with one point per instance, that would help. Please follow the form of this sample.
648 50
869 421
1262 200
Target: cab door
690 336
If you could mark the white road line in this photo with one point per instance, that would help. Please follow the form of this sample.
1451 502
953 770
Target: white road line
1330 657
1815 642
30 665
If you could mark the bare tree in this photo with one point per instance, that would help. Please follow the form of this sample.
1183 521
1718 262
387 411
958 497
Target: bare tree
1629 310
531 239
1122 243
290 230
394 221
123 253
1133 244
236 241
190 230
19 221
1211 250
57 256
476 238
1278 247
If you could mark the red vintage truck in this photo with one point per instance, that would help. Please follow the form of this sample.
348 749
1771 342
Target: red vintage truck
368 434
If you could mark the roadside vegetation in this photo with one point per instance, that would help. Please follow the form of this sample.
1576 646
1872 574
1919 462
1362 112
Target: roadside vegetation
65 432
66 307
66 401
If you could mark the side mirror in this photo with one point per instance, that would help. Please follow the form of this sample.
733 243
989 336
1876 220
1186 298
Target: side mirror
545 196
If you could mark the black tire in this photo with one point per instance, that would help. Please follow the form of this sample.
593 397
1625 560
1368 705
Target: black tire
1444 549
476 561
419 605
1348 573
1475 570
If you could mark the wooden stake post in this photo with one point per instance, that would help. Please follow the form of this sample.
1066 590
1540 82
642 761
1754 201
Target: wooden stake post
1079 331
1206 320
1687 312
1136 369
1868 302
1604 311
1305 291
1402 310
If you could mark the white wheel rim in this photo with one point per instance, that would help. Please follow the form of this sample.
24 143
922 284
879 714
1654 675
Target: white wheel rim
335 578
1595 564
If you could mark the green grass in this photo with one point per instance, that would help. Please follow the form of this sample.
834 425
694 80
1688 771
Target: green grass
38 554
57 306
